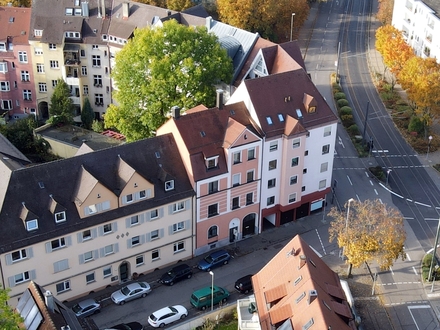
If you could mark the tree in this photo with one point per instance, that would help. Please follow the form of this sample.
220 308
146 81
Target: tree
179 5
421 80
385 12
8 318
368 231
16 3
270 18
156 3
87 114
164 67
20 133
61 105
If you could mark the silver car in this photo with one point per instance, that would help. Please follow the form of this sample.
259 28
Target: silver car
130 292
86 308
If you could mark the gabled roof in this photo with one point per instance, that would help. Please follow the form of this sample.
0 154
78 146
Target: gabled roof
286 91
37 185
297 287
8 150
14 24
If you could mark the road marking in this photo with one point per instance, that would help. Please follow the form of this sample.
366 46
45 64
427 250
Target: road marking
415 271
378 151
371 183
416 307
380 201
407 302
349 180
431 219
399 283
407 255
366 174
391 271
366 298
422 204
376 191
319 254
320 240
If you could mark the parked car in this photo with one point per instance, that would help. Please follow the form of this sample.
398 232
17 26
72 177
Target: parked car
244 284
127 326
202 298
167 315
176 274
131 291
214 259
86 308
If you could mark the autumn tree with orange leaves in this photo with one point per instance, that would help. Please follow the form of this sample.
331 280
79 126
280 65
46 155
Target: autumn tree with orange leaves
369 231
270 18
420 77
385 11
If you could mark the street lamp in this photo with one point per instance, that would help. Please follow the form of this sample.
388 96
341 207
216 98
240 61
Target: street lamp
346 230
388 175
291 26
212 290
429 143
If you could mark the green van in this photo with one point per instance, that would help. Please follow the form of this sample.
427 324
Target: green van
202 298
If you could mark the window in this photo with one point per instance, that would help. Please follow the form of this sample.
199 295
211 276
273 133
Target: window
293 180
88 256
251 153
22 277
139 260
129 198
69 11
18 255
27 95
32 225
169 185
177 207
83 71
2 46
78 11
134 220
306 153
212 210
86 89
322 184
86 234
292 198
327 131
235 180
6 104
213 232
4 86
326 149
107 228
324 167
97 80
178 226
155 255
249 198
82 53
154 234
3 67
42 87
296 143
211 163
212 187
142 194
294 162
108 249
38 51
72 35
58 243
270 200
178 247
95 47
60 216
96 61
237 157
25 76
272 164
90 278
135 240
235 203
91 209
54 83
271 183
107 271
304 171
99 99
269 120
250 176
38 33
40 67
154 214
303 188
63 286
52 46
61 265
22 57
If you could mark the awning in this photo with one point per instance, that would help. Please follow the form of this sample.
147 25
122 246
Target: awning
71 47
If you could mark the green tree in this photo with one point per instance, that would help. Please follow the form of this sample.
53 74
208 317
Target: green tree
20 133
179 5
16 3
8 318
87 114
368 231
61 105
164 67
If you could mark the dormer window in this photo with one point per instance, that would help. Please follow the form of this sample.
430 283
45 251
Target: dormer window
69 11
38 33
211 162
60 217
32 225
169 185
129 198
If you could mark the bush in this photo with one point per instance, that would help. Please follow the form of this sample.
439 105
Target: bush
416 125
336 88
353 130
377 172
347 120
427 259
342 103
339 96
98 126
345 110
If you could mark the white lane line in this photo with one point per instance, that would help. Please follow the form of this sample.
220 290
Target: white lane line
376 191
320 240
412 316
407 255
431 219
391 271
380 201
371 182
366 174
415 271
422 204
349 180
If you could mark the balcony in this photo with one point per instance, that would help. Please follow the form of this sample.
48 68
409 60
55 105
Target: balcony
71 80
72 62
75 100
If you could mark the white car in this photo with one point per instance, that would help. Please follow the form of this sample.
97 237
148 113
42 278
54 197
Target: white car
167 315
130 292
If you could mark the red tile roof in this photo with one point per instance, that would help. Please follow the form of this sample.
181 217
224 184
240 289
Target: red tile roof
14 23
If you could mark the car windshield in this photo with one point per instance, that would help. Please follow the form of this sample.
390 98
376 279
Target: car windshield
208 259
173 309
125 291
153 318
143 285
76 308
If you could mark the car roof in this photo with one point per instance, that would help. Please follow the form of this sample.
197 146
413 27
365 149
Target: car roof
87 302
134 285
219 253
162 312
207 290
179 267
245 278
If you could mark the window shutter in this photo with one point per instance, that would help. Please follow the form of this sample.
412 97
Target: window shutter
30 252
102 252
56 267
161 232
148 237
148 216
129 243
79 237
188 224
170 209
115 226
94 232
127 223
170 230
101 230
68 240
95 254
32 274
11 281
116 247
48 247
124 199
141 218
81 259
187 204
86 210
142 239
8 259
161 212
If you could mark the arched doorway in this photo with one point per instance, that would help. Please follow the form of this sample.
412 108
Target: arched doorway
249 224
124 271
43 110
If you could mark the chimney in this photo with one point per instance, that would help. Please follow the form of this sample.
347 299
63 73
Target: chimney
219 103
125 10
302 261
208 23
48 298
168 12
312 296
175 112
85 9
102 8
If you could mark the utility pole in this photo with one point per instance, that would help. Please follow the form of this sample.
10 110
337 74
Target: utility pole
366 118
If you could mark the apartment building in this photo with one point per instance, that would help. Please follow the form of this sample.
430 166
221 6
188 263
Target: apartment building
87 222
17 91
419 22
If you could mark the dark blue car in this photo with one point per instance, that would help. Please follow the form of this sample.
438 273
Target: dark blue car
214 259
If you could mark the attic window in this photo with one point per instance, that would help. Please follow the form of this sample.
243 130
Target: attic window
11 19
202 133
312 109
301 297
299 113
298 280
280 117
311 261
41 184
169 185
269 120
211 162
308 324
60 217
38 33
69 11
32 225
326 305
157 154
232 112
